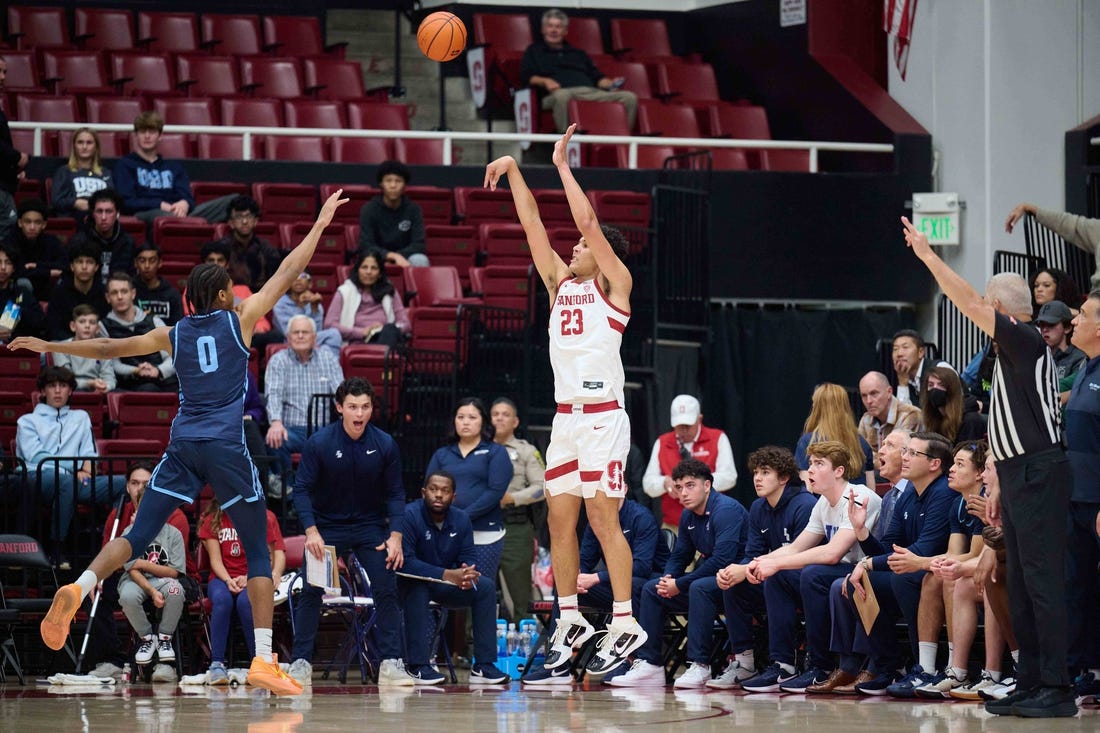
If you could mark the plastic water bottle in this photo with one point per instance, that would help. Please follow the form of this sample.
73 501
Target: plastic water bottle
502 639
525 642
126 674
513 639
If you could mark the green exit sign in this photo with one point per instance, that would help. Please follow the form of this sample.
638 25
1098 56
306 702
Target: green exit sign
937 215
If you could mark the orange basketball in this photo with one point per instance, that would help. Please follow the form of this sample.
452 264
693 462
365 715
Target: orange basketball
441 36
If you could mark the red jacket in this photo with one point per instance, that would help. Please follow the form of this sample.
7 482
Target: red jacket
705 449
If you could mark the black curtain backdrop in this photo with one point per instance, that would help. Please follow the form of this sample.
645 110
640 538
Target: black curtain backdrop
764 363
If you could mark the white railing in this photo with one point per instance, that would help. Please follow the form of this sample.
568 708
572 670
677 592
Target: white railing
449 137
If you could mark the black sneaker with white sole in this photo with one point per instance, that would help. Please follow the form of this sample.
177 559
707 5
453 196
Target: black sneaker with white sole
545 677
615 647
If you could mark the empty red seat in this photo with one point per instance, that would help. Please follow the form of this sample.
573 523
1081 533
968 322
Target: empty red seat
640 37
238 35
176 145
181 239
437 203
187 110
506 286
146 415
666 120
19 372
280 78
22 72
454 245
600 118
104 29
356 193
621 208
138 73
436 329
248 112
46 109
168 32
553 206
296 147
475 205
737 121
584 33
330 78
208 76
286 201
419 151
378 116
505 244
435 286
117 110
506 36
314 113
207 190
361 150
785 160
330 247
686 81
34 27
297 35
75 72
227 147
729 159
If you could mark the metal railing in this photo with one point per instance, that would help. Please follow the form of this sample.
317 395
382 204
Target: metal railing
449 137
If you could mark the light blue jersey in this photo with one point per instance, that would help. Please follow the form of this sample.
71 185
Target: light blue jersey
211 362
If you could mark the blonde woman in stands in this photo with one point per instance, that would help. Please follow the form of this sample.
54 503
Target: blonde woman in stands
831 418
82 176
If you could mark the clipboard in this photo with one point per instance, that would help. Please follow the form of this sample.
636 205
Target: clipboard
412 576
867 607
323 573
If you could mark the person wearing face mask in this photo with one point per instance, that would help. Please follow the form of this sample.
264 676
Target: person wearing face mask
946 410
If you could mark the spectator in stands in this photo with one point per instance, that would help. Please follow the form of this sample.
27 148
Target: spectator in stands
524 505
565 72
910 362
438 543
80 286
54 429
1049 284
947 410
1056 324
104 229
12 161
83 175
41 255
157 575
218 253
482 472
8 215
301 300
104 643
349 494
366 308
228 578
153 372
392 222
714 526
831 418
92 375
895 567
689 438
20 313
1080 231
884 411
650 551
252 259
152 187
154 294
292 377
776 518
799 574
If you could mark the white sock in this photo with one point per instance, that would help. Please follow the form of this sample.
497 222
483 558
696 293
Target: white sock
950 648
1015 655
788 668
747 659
959 672
263 644
87 582
568 607
927 652
994 674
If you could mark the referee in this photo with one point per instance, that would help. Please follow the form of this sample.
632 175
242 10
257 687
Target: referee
1025 434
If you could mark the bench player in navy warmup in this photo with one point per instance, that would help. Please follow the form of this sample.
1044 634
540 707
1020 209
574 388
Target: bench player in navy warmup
590 437
210 349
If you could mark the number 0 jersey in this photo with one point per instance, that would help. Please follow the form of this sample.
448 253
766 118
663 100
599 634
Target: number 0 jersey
211 362
586 331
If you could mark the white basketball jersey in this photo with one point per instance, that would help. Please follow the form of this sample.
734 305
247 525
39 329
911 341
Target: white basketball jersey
586 331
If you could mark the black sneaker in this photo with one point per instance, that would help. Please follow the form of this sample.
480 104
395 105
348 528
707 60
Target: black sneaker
543 677
767 681
1004 705
1047 702
798 685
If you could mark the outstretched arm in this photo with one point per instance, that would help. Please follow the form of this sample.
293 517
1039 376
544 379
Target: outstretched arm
253 308
614 269
102 349
958 291
550 266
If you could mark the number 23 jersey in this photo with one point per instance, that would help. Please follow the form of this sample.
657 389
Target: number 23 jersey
586 331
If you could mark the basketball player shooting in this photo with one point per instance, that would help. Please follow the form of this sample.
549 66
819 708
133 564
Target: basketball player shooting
210 349
590 437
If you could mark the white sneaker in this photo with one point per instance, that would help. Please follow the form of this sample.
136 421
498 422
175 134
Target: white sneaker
392 672
569 635
106 669
164 673
301 672
973 690
732 677
1000 691
641 674
146 649
615 647
697 675
165 651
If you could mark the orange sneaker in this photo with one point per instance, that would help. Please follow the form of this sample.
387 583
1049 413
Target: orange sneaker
270 676
55 627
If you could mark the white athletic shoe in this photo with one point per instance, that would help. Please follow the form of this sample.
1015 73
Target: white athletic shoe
301 672
165 651
164 673
146 649
615 647
641 674
569 635
392 672
732 677
697 675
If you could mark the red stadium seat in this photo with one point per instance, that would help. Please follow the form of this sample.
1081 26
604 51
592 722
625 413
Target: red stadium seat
436 203
248 112
146 415
207 190
237 35
635 75
686 81
419 152
553 206
19 372
13 405
330 247
457 246
639 38
505 244
175 145
435 329
187 111
785 160
75 72
666 120
730 159
378 116
175 272
621 208
280 78
104 29
435 286
181 239
227 147
600 118
208 76
117 110
168 32
361 150
506 37
356 193
135 227
333 78
34 27
506 286
314 113
136 73
584 33
22 73
297 35
286 201
279 147
562 240
737 121
475 205
46 109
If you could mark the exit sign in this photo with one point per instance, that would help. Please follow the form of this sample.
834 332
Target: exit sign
937 215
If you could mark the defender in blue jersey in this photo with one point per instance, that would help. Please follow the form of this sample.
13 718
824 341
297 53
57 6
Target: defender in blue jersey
210 349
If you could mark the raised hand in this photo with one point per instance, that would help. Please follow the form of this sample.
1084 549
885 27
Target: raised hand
561 147
857 511
328 211
916 239
496 169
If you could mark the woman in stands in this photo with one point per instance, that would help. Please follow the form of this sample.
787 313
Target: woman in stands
366 308
82 176
482 471
947 410
831 418
1050 284
228 578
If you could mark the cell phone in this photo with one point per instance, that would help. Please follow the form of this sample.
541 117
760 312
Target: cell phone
617 84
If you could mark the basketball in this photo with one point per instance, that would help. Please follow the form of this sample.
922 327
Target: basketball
441 36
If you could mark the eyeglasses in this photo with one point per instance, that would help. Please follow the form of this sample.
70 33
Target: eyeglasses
910 452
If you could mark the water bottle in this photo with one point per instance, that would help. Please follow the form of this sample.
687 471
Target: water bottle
502 639
513 639
525 643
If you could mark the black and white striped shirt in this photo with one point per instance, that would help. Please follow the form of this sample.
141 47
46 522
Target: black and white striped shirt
1025 415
